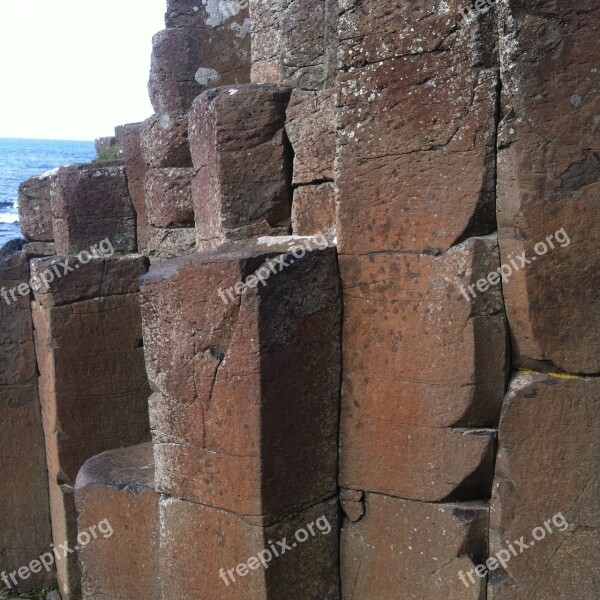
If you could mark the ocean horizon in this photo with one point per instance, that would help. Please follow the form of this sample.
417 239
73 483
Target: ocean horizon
22 158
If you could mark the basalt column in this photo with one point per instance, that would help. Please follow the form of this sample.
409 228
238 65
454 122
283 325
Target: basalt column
423 362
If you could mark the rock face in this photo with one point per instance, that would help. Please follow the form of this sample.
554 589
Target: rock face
313 210
129 144
548 175
91 203
164 141
200 49
244 163
103 144
403 549
93 385
24 522
550 424
287 45
219 361
168 195
35 211
118 508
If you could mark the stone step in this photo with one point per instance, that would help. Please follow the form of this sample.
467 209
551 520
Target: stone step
118 525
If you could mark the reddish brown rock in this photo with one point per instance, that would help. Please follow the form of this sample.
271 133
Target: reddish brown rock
168 195
413 550
422 364
118 512
129 144
164 141
310 125
550 425
416 127
38 249
239 148
93 385
91 203
169 243
24 520
35 211
199 545
187 60
352 503
288 47
237 373
549 183
313 210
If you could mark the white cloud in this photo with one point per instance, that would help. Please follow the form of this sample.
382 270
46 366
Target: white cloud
73 69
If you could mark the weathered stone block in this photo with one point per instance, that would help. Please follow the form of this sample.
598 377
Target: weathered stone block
199 544
35 211
104 143
310 126
404 549
239 148
129 144
93 386
168 195
91 203
237 373
187 60
313 210
416 127
170 243
294 42
115 491
549 182
164 141
411 336
550 424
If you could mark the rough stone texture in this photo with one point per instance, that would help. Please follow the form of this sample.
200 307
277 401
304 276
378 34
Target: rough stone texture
413 550
421 363
24 518
197 541
129 144
104 143
548 463
118 487
93 386
35 212
169 243
416 127
91 203
313 209
294 42
237 377
201 52
164 141
548 179
244 163
310 125
168 195
37 249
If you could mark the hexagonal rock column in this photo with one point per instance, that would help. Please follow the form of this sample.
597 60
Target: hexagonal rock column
128 138
546 490
242 346
416 550
93 386
244 163
35 211
91 203
549 183
294 42
118 518
204 46
310 125
24 519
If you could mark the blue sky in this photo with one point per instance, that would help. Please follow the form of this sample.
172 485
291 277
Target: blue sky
73 69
